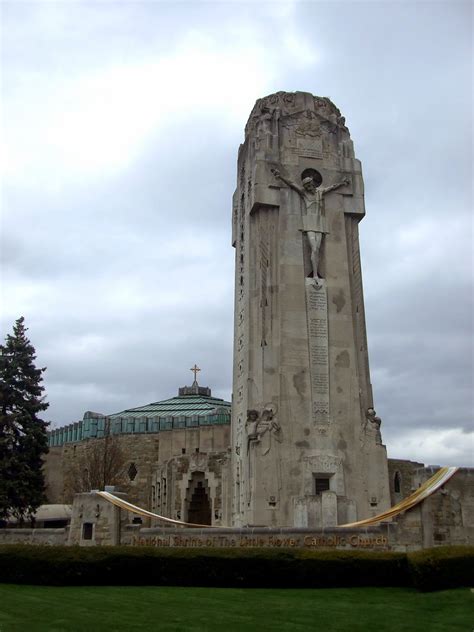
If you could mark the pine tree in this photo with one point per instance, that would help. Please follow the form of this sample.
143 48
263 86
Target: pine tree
23 436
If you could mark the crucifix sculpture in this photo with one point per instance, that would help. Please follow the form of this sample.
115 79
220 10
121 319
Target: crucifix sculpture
313 199
195 369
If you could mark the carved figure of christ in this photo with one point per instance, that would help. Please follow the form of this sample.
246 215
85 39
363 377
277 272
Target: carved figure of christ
314 224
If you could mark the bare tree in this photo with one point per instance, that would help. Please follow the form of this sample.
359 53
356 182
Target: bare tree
100 462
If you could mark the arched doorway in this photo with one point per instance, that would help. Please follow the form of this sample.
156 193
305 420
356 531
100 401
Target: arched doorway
198 505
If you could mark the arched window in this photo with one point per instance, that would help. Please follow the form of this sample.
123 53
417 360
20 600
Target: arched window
397 483
132 471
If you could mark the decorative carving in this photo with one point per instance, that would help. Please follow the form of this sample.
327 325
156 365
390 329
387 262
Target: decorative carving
242 178
371 416
263 427
264 123
314 222
251 424
324 463
264 263
264 120
268 428
293 104
309 125
273 99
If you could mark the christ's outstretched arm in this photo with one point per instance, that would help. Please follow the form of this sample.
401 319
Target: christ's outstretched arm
290 183
333 187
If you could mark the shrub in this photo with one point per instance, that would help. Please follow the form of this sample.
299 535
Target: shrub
432 569
442 567
56 565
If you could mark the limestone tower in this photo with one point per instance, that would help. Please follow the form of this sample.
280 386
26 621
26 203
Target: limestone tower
306 443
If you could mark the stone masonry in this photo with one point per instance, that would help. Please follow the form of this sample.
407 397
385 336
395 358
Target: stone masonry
307 449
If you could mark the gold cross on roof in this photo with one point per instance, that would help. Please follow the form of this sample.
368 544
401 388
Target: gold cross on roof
195 369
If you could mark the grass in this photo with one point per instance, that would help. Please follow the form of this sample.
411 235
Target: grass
167 609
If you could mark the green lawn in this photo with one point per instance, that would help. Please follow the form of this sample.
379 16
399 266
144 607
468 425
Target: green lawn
32 608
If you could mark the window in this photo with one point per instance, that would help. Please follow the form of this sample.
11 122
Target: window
132 471
321 484
397 483
87 530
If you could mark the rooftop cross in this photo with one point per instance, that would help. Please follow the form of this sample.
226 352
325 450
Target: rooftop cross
195 369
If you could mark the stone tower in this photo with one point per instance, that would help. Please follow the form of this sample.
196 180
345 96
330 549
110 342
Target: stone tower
306 443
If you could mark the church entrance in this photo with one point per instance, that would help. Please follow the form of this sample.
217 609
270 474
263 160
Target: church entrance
197 500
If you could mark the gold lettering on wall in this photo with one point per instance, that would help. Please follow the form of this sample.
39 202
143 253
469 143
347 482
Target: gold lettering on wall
310 541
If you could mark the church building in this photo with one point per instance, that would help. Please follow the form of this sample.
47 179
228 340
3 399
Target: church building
173 455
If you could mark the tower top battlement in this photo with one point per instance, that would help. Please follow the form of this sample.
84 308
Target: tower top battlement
293 103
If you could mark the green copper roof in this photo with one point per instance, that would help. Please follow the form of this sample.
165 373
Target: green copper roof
193 407
185 405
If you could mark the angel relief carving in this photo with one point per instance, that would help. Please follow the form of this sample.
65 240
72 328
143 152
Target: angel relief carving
263 428
288 104
371 416
309 125
280 99
326 106
265 122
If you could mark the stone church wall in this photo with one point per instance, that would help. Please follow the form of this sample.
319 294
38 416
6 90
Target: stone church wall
148 459
401 475
446 517
181 475
48 537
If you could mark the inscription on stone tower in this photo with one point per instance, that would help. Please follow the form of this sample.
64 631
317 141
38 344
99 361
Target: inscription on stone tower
317 311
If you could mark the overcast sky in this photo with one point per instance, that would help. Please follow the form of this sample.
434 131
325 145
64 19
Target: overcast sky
122 122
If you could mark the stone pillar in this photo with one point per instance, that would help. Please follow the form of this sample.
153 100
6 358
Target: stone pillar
302 397
95 521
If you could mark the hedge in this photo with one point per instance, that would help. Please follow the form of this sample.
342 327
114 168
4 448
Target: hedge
442 567
127 566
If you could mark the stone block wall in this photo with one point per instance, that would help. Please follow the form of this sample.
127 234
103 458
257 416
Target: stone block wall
54 476
96 522
139 454
177 478
405 472
444 518
147 458
34 536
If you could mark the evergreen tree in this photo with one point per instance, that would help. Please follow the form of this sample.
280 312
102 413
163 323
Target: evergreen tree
23 438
